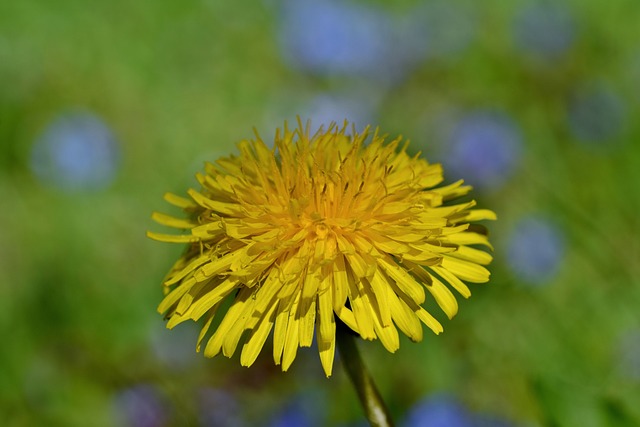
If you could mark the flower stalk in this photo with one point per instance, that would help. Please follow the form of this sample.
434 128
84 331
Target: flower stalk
374 407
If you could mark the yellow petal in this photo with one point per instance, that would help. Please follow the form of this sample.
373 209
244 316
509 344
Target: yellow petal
327 349
280 331
184 303
178 276
231 317
404 317
348 318
208 231
429 320
453 280
466 270
211 298
344 245
234 332
467 238
360 267
405 281
473 255
340 283
453 191
307 322
394 208
180 202
446 211
433 248
360 305
218 265
432 178
171 238
291 341
388 334
380 286
175 295
386 244
326 331
449 231
205 328
430 221
443 297
170 221
256 340
266 295
476 215
215 205
310 286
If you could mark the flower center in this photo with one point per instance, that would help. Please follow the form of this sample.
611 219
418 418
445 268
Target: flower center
322 230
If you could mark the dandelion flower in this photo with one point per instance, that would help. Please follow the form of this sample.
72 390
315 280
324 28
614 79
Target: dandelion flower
318 227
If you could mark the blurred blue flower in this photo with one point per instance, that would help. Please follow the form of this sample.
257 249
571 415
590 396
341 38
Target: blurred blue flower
76 152
535 250
292 416
544 29
217 408
484 149
348 38
438 411
332 37
595 115
307 410
140 406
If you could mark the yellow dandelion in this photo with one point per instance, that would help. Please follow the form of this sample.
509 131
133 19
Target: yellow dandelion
318 227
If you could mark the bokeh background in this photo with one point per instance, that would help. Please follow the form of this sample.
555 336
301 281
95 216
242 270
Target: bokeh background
105 105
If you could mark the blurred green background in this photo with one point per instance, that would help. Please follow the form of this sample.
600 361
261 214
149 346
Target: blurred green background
104 106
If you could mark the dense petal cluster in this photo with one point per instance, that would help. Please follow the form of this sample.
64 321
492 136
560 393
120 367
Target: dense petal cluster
285 239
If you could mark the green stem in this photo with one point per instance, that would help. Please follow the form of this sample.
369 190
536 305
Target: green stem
372 403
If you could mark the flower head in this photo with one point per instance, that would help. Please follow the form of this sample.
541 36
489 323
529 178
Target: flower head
320 226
